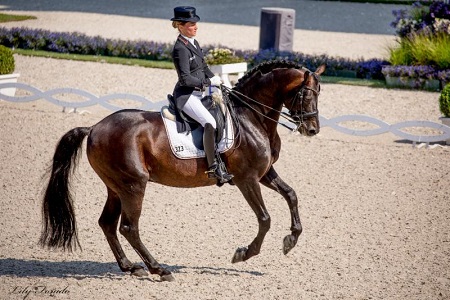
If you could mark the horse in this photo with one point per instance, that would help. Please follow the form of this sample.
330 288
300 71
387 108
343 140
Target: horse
130 148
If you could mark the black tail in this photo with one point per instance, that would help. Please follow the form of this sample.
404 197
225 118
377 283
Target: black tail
59 224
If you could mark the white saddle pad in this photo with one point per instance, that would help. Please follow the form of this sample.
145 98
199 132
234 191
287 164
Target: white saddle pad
182 144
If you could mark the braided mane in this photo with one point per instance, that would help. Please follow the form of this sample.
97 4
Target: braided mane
267 67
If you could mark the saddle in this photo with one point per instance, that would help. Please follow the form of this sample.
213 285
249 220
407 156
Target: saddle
216 108
190 144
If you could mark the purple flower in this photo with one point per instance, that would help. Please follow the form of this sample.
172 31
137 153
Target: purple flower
424 72
419 18
371 69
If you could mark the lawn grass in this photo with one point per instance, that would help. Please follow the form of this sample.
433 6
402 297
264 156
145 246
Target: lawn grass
354 81
13 18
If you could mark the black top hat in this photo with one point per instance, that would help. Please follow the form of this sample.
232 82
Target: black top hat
185 14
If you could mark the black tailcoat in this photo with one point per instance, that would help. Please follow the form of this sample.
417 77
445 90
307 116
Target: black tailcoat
193 72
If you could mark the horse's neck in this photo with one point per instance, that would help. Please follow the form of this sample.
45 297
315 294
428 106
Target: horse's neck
271 89
263 112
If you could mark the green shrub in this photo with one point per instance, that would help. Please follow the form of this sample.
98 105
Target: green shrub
444 101
422 50
7 64
401 55
442 52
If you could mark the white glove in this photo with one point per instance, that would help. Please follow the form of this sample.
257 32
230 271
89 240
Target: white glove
216 80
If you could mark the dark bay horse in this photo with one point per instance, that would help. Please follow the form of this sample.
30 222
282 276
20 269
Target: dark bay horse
129 148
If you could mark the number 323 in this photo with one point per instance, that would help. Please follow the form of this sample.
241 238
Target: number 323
179 148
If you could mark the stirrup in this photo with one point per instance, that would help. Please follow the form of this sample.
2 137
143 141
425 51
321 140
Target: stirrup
219 172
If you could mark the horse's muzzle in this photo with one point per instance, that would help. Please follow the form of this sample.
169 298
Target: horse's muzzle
309 129
312 131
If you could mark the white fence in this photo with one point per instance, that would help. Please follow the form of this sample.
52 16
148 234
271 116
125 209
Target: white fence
145 104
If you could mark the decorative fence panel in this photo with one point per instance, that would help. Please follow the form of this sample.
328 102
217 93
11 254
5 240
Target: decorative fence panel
145 104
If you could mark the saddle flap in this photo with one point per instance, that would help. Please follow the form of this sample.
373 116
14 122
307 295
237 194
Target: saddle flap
188 145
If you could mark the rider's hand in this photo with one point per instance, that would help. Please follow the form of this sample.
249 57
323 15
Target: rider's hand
216 81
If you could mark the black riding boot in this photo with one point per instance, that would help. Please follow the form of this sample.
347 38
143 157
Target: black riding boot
215 169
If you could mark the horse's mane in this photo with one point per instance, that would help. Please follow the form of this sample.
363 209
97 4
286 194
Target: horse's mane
267 67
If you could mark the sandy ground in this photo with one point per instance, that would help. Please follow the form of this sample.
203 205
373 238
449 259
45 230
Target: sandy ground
375 210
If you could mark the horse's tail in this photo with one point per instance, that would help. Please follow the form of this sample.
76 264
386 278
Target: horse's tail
59 224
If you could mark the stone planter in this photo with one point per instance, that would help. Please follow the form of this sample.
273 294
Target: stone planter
224 70
8 78
413 83
446 121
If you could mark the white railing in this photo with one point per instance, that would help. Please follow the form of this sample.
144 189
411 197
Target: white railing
145 104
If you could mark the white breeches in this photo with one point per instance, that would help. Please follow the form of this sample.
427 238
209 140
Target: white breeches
195 109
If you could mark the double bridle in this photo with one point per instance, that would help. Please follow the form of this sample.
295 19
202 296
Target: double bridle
298 116
295 116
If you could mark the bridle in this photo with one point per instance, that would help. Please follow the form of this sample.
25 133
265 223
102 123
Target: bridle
294 116
299 116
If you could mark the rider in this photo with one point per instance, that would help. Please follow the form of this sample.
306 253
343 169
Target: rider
194 76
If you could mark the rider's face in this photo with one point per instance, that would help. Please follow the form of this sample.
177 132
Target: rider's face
188 29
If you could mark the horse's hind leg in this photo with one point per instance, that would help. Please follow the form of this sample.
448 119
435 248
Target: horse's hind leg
274 182
108 222
129 227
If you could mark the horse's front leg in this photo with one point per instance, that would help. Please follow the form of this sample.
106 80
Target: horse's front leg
274 182
252 193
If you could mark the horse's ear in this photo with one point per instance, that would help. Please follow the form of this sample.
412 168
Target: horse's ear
320 69
306 75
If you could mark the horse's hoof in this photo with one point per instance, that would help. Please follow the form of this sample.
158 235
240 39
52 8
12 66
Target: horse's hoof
239 255
167 277
138 271
289 242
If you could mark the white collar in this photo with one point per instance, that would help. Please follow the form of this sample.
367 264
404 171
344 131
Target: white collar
191 40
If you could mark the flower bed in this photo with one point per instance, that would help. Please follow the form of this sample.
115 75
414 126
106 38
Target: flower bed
422 57
78 43
419 77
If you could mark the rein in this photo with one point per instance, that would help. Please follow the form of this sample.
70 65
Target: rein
293 117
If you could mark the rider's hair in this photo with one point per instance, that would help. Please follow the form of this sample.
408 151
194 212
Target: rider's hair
175 24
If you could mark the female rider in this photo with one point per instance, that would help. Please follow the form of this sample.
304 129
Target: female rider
194 76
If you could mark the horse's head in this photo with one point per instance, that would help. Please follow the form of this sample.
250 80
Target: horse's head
273 84
302 102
